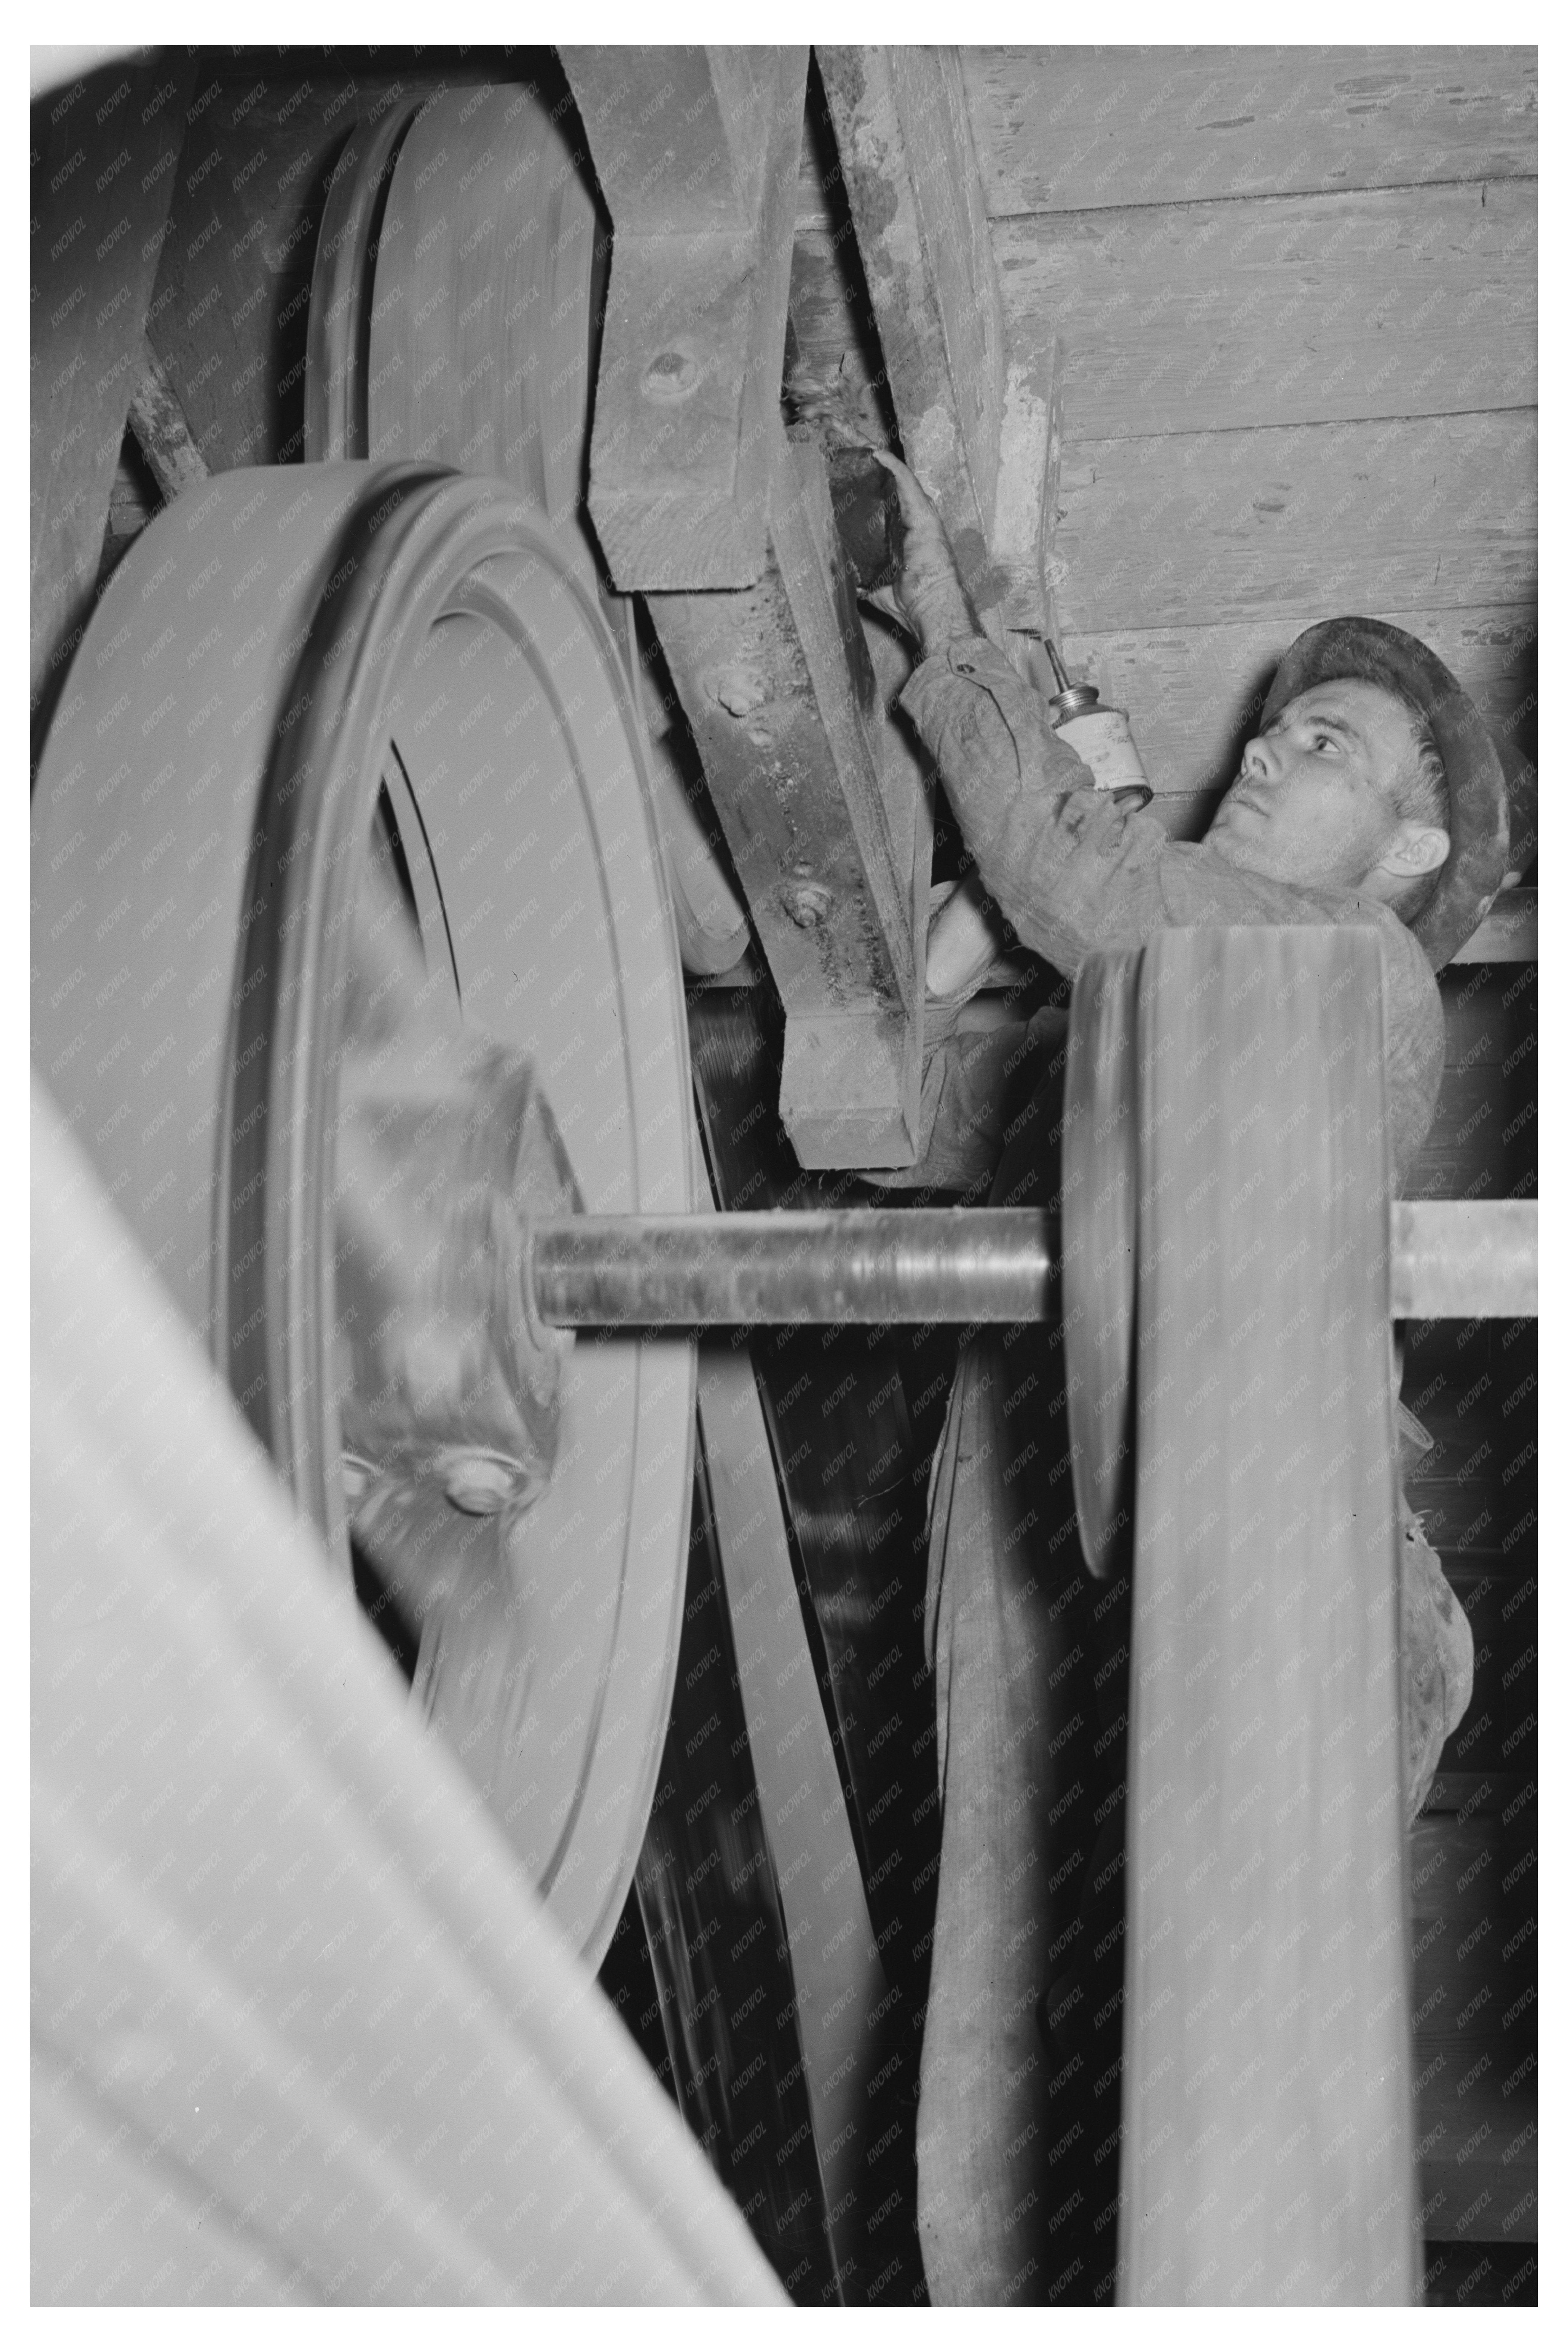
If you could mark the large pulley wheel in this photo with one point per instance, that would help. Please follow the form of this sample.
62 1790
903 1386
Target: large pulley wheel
460 271
279 652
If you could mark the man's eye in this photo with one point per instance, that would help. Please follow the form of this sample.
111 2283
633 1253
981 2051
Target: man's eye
1320 739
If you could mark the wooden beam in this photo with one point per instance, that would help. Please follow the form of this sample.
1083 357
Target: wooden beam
1061 130
832 848
1188 317
981 438
104 154
1462 1258
696 152
914 191
1158 532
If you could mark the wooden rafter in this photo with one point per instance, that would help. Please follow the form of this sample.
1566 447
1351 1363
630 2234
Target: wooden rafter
984 443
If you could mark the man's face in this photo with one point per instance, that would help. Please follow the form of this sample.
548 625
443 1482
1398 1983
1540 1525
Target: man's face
1315 799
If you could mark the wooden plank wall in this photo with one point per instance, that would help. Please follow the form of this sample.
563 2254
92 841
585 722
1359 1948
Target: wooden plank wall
1296 294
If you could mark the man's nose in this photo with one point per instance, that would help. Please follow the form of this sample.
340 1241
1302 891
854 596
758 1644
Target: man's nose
1260 762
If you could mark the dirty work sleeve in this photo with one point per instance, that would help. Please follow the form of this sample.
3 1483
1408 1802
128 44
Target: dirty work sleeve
1069 869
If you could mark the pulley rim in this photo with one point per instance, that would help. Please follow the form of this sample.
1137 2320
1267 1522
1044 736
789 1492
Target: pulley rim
357 567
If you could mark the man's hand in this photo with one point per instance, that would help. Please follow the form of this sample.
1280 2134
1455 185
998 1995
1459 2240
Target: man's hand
929 598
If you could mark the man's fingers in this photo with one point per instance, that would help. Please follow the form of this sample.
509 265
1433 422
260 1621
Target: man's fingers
931 590
895 466
886 601
916 505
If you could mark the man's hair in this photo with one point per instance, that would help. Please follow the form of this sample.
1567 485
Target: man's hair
1420 788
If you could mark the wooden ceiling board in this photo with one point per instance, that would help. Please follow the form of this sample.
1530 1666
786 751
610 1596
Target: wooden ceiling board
1376 517
1060 130
1180 319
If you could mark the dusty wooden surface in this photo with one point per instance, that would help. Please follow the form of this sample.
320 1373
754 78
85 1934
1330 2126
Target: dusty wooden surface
1393 302
1061 129
103 159
983 437
831 312
1382 517
920 216
697 154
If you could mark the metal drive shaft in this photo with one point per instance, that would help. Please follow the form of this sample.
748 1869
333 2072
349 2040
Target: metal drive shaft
778 1266
942 1265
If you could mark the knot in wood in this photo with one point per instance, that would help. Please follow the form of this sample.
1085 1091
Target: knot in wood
670 377
738 691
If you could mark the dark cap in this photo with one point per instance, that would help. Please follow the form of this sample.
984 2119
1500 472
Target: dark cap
1492 790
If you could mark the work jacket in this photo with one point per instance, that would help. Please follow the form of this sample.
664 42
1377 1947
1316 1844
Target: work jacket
1073 872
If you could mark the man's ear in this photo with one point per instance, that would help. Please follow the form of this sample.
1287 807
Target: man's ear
1415 849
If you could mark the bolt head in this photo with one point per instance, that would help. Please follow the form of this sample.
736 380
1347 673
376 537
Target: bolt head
480 1484
808 904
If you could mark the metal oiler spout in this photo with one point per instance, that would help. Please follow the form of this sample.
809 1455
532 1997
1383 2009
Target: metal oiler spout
1100 734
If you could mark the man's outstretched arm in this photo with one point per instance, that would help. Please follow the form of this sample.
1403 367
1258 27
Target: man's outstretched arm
1069 869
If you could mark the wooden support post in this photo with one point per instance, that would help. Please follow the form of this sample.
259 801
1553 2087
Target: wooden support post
984 443
696 152
832 848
